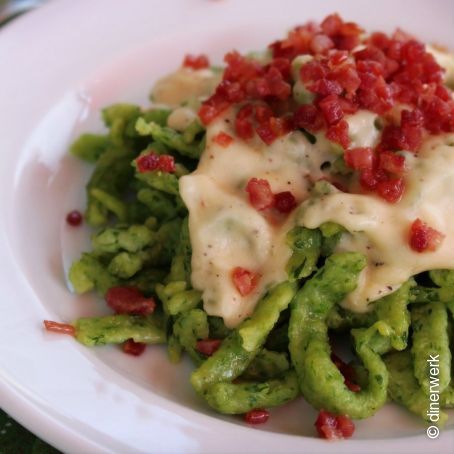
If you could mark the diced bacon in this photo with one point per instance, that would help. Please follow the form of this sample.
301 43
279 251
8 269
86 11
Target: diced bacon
271 128
244 128
308 117
312 71
380 40
348 373
359 158
166 163
423 238
134 348
260 194
391 162
345 426
281 126
243 122
152 161
391 189
371 53
339 133
244 280
370 178
392 139
334 427
279 88
325 87
241 69
230 91
384 71
223 139
207 113
263 113
347 77
129 300
321 44
265 132
332 24
196 61
208 346
348 107
256 416
282 65
74 218
284 202
148 162
331 109
61 328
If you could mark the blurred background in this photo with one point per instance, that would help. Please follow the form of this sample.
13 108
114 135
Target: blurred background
10 9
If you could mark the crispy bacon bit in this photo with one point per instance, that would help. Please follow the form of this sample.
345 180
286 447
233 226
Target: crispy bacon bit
424 238
331 109
332 24
281 126
223 139
308 117
129 300
407 136
391 189
325 87
320 44
74 218
386 70
313 70
211 108
196 61
391 162
208 346
348 373
334 427
61 328
243 122
153 161
134 348
359 158
339 133
256 416
266 134
284 202
260 194
244 280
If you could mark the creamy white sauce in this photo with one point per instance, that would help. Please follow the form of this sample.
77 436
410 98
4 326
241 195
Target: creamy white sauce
184 86
362 130
380 230
181 118
226 231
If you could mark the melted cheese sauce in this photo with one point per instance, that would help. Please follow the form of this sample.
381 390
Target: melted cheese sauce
226 231
185 85
380 230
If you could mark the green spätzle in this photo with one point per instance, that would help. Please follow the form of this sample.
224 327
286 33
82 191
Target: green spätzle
431 340
115 329
240 398
320 381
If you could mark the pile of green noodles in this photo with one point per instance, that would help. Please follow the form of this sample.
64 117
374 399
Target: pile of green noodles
282 351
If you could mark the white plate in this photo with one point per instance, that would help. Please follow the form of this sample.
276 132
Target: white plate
60 65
